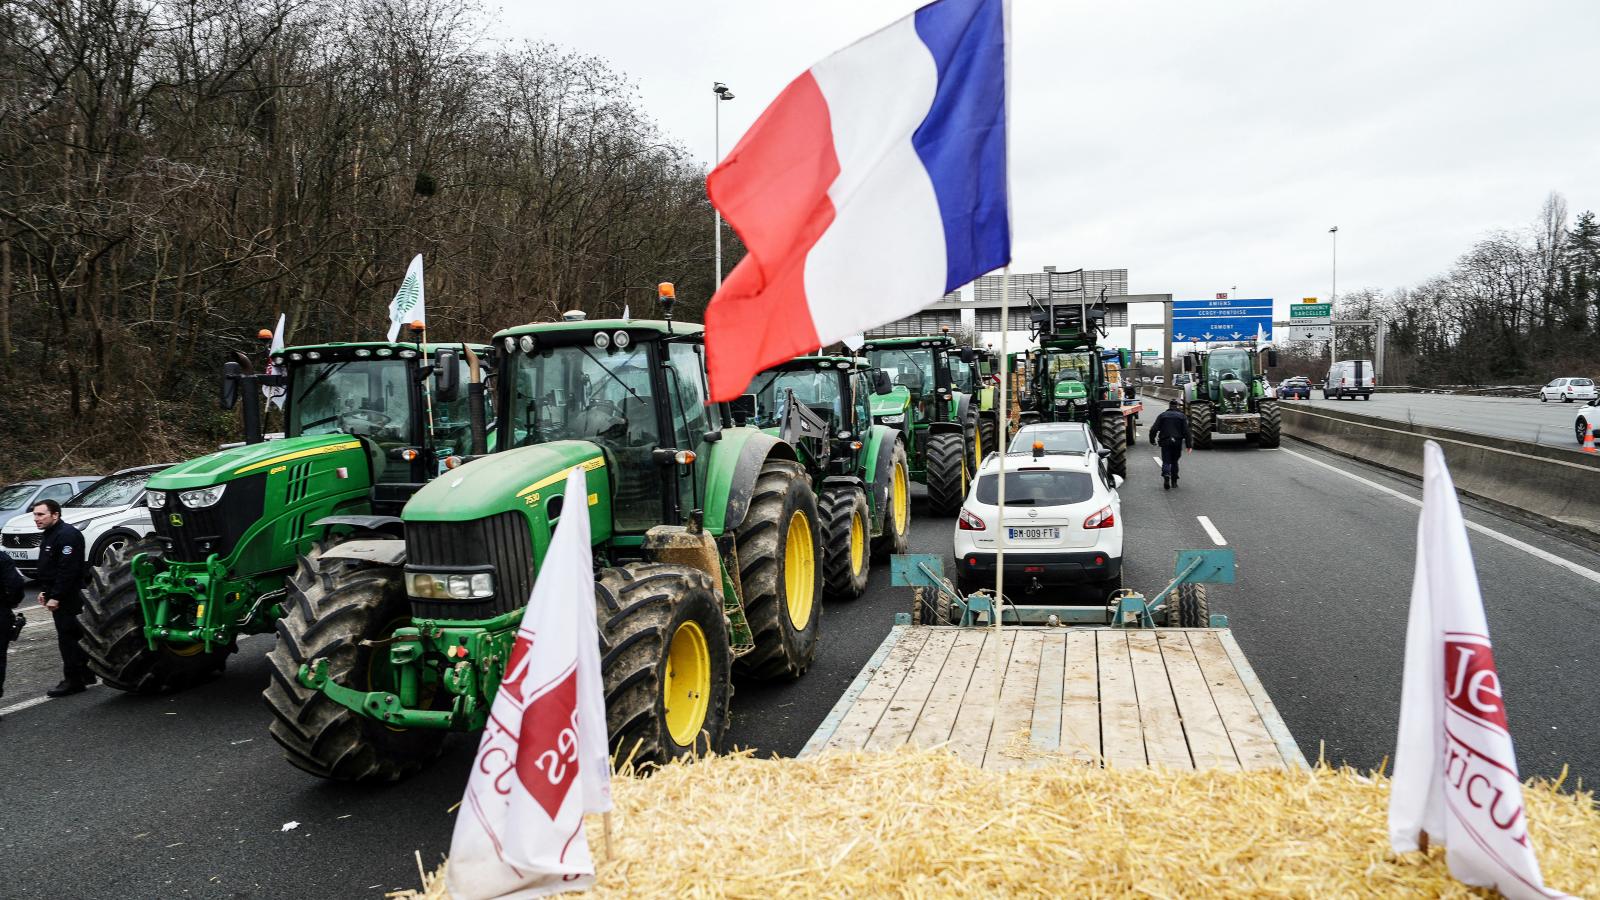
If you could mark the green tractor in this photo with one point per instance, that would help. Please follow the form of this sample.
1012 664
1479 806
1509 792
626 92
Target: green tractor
365 425
1228 395
821 405
1069 379
938 420
704 537
979 378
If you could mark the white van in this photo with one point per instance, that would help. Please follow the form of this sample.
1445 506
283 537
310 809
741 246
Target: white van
1350 378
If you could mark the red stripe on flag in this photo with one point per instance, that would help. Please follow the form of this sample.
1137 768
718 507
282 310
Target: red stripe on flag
773 190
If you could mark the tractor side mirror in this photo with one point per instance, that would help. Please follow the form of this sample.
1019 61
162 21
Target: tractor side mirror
231 372
1272 359
742 408
1188 364
446 375
969 355
881 383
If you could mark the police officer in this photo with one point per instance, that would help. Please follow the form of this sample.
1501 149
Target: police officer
1172 429
11 585
61 573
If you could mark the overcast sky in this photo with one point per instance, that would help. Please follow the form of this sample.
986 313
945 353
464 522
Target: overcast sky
1202 146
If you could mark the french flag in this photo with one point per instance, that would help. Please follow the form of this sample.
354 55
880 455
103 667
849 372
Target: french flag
872 186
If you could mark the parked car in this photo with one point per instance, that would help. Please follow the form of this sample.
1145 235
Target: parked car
20 497
1063 517
1295 388
111 513
1350 378
1588 417
1567 390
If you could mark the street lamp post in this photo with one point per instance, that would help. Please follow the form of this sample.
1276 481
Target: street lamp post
722 92
1333 300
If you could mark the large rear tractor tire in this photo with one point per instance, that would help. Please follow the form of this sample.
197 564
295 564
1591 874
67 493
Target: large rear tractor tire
846 534
1271 424
1114 437
896 536
342 610
1200 424
947 473
113 634
1187 607
665 662
988 437
781 571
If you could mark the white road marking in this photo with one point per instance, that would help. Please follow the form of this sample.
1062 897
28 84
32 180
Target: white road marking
1508 540
1216 536
19 707
1157 459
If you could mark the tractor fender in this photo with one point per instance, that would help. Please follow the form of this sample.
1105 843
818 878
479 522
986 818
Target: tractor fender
877 460
943 427
388 524
736 462
390 553
963 406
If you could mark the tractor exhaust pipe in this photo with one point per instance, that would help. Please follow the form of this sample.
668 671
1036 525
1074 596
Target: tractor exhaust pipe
475 392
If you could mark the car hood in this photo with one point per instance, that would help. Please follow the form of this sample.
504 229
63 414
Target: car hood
72 515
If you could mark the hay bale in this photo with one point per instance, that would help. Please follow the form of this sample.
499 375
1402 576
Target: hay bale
924 823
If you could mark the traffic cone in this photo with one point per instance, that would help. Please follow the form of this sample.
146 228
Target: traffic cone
1588 439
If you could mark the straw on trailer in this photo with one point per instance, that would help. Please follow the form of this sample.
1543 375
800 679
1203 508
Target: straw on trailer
923 823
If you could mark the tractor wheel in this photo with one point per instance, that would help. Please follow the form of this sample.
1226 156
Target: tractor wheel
896 536
665 662
113 634
846 532
932 606
781 572
1271 423
1187 607
342 610
1114 437
988 437
973 440
947 473
1200 425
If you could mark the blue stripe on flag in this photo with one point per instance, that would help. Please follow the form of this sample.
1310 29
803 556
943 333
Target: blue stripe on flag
962 142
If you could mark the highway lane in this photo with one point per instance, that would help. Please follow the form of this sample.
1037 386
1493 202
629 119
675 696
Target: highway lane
1516 418
188 796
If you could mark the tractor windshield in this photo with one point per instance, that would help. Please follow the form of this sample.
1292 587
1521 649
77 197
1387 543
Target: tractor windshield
908 366
369 398
818 389
581 393
1228 365
1070 367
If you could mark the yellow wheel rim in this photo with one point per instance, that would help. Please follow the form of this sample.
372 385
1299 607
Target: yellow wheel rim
183 649
799 570
902 500
858 543
686 689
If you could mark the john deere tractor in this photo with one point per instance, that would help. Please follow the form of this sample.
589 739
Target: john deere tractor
365 426
1068 379
979 379
937 419
705 546
1229 396
821 405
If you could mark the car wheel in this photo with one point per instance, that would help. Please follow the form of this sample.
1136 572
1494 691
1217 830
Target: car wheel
1566 399
1581 427
108 545
1543 399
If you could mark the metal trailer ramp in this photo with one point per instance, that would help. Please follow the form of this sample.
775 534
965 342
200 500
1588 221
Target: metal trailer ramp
1179 698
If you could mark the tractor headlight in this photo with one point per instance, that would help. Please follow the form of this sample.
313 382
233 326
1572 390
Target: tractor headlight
203 497
155 499
895 419
467 586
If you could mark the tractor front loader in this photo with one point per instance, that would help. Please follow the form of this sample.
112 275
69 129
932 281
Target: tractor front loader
1228 396
938 421
705 543
821 405
365 426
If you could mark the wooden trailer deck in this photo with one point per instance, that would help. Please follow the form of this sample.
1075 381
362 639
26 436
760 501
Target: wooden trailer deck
1173 697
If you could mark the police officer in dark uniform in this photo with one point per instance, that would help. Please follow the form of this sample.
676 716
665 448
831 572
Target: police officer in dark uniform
11 585
61 573
1172 430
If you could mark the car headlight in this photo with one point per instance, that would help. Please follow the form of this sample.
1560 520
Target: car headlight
155 499
466 586
892 420
203 497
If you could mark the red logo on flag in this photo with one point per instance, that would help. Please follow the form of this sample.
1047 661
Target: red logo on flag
547 756
1471 683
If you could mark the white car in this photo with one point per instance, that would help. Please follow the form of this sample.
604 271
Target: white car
1588 418
111 514
1063 518
1567 390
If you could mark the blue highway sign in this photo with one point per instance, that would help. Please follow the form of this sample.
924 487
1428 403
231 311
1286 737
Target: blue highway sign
1221 320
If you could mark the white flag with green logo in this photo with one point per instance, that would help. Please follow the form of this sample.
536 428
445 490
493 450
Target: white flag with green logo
408 304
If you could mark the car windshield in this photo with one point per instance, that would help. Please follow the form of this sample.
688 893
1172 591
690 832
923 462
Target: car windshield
1055 440
12 495
113 490
580 393
368 398
910 366
1051 488
818 389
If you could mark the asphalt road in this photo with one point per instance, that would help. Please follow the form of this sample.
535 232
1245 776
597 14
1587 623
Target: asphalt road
186 795
1517 418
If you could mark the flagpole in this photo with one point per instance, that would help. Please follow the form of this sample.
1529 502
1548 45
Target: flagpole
1005 421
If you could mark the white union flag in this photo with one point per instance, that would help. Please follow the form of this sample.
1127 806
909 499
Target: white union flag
409 303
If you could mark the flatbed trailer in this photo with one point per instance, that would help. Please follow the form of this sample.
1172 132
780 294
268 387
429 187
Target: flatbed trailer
1179 698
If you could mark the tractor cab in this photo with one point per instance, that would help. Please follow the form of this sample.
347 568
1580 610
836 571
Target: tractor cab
928 368
836 390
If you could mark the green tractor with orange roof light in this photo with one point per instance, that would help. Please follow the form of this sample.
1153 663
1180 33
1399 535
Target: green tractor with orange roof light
938 420
366 424
821 405
704 537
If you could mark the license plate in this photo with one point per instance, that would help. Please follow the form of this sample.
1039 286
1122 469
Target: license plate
1034 534
17 554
